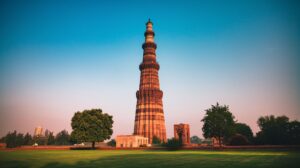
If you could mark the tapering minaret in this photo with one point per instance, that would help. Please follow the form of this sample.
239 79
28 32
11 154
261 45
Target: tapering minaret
149 115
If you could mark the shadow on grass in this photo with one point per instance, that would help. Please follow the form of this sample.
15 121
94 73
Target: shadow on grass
173 160
14 163
182 160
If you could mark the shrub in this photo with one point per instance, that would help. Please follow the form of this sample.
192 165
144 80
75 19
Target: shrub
112 143
156 140
173 144
238 140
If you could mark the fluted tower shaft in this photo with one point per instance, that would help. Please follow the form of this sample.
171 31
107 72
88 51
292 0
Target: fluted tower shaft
149 116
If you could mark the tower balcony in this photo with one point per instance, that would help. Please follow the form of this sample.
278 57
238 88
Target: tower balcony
146 65
149 45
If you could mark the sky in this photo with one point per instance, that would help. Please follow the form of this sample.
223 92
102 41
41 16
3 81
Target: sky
60 57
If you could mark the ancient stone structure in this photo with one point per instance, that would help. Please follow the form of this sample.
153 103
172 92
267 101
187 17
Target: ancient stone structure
131 141
215 142
38 131
149 116
182 132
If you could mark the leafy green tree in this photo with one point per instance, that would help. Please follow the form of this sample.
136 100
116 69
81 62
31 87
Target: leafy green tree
19 139
195 140
294 133
273 129
27 139
11 139
278 131
156 140
245 130
91 126
14 139
51 139
62 138
218 122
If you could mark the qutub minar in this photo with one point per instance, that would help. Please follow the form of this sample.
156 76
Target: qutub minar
149 116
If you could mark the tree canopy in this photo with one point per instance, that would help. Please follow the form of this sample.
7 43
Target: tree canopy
15 139
51 139
91 126
62 138
218 123
195 140
238 140
245 130
278 131
27 139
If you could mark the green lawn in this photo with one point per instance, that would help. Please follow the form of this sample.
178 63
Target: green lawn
145 159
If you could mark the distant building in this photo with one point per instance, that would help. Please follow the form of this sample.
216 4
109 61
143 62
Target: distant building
182 132
38 131
211 142
215 141
47 133
131 141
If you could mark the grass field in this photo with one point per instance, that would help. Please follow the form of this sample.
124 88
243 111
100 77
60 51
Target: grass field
147 159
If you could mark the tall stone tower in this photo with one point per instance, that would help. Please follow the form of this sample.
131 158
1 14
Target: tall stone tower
149 115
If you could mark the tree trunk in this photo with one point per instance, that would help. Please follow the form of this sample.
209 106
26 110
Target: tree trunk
220 144
93 144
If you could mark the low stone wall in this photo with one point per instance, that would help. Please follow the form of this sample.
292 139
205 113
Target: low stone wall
2 145
249 147
253 147
43 148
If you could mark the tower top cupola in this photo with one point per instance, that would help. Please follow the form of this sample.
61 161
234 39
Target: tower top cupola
149 34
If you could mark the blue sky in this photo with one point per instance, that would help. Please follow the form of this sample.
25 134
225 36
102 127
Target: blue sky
59 57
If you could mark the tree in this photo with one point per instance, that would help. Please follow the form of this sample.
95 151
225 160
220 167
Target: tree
294 133
11 139
195 140
218 123
245 130
20 139
273 129
27 139
278 131
91 126
156 140
51 139
14 139
62 138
